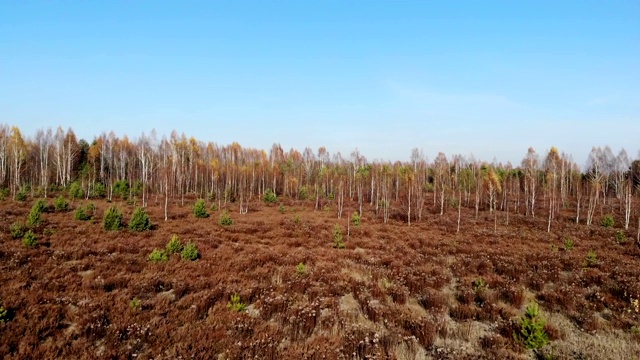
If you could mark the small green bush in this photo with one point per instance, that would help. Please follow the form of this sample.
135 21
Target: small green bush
281 209
3 315
607 221
270 197
75 190
121 189
17 230
140 221
82 213
4 192
568 244
479 284
532 334
29 239
301 269
214 207
236 305
98 190
337 238
136 189
174 245
303 193
225 219
591 259
40 205
190 252
355 219
35 215
34 218
21 195
61 204
158 255
621 237
135 304
112 219
200 209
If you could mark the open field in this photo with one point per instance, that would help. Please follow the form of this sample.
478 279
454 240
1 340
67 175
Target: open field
395 291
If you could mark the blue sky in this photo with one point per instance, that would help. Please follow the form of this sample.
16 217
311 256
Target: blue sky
488 78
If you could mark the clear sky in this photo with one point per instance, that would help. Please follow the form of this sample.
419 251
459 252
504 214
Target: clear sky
489 78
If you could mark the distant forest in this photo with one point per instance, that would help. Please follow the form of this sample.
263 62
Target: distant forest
166 169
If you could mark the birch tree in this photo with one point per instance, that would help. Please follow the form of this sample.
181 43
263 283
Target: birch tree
552 165
44 140
18 156
595 177
530 166
441 171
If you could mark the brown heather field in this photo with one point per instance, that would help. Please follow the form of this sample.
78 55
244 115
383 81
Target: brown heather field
394 292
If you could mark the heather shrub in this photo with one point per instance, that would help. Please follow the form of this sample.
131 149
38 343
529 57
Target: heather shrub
158 255
17 230
140 220
190 252
174 245
532 334
200 209
225 218
29 239
61 204
112 219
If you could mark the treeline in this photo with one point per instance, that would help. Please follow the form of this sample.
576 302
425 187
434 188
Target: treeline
175 166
